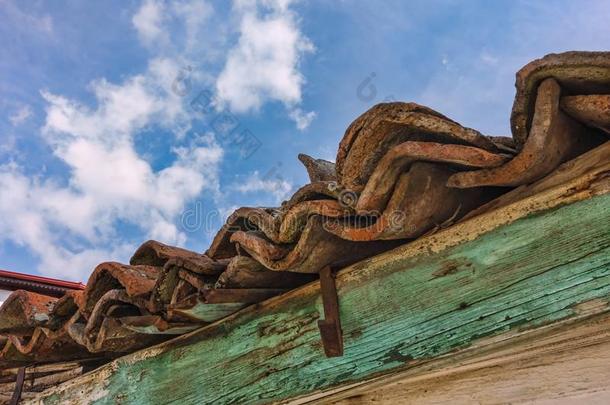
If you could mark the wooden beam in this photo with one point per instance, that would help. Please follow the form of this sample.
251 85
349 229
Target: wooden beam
531 263
564 362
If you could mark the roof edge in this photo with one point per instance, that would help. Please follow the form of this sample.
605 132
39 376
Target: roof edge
53 282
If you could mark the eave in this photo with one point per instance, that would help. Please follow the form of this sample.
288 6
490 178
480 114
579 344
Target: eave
541 261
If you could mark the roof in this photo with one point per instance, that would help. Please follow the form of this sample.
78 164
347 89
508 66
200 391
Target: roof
402 171
501 285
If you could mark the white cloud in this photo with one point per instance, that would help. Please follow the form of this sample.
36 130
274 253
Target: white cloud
73 221
28 22
107 185
489 59
29 219
195 14
122 108
65 223
8 144
161 25
21 115
301 118
148 21
274 185
264 65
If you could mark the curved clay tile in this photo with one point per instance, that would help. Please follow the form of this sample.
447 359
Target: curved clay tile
243 219
315 249
64 309
286 226
198 281
41 347
319 190
27 345
504 144
553 139
294 220
280 227
105 331
397 160
153 253
35 329
593 110
420 202
580 166
578 73
245 272
158 254
24 310
112 301
365 120
258 242
136 280
318 169
200 264
385 125
174 272
114 337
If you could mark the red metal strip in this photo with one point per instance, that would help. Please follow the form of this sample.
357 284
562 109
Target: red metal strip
43 280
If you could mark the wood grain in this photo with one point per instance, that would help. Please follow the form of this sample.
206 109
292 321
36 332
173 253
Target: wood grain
563 363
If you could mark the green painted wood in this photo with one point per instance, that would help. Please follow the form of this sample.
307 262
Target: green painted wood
210 312
395 312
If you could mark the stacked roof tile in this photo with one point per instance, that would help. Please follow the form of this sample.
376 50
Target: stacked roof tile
402 170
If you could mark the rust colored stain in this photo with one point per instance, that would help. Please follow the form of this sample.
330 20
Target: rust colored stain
24 310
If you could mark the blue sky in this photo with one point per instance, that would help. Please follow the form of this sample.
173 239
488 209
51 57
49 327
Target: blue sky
122 121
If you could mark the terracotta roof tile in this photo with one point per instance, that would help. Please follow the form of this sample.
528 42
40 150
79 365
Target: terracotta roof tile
554 138
24 310
318 169
385 125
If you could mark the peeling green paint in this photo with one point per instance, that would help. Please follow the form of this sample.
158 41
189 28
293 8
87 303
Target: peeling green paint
531 272
211 312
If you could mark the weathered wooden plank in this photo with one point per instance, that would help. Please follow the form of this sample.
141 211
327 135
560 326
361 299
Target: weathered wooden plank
502 271
566 363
